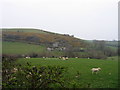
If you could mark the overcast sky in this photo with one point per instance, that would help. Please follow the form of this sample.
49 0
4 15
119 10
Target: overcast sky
85 19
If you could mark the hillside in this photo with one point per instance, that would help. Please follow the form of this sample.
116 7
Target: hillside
41 37
49 44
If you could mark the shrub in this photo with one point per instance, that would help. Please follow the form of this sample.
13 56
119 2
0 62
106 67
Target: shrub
33 55
7 67
34 77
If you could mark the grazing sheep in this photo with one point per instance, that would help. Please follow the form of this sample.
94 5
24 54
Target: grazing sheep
63 58
66 58
27 57
95 70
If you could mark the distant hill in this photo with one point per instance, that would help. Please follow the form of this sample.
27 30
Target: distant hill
37 36
55 44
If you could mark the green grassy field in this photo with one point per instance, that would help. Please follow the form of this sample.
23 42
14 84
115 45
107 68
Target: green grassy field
20 48
106 78
24 48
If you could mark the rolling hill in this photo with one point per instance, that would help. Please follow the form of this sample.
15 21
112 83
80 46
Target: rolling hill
26 41
40 37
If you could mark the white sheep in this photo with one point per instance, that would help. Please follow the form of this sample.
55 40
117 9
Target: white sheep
27 57
66 58
63 58
43 57
95 70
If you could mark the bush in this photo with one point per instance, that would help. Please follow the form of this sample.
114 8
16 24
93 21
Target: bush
33 55
7 67
34 77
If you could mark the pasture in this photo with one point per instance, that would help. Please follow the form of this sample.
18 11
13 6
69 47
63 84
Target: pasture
20 48
106 78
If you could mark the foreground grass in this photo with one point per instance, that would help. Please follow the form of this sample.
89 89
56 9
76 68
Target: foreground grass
106 78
